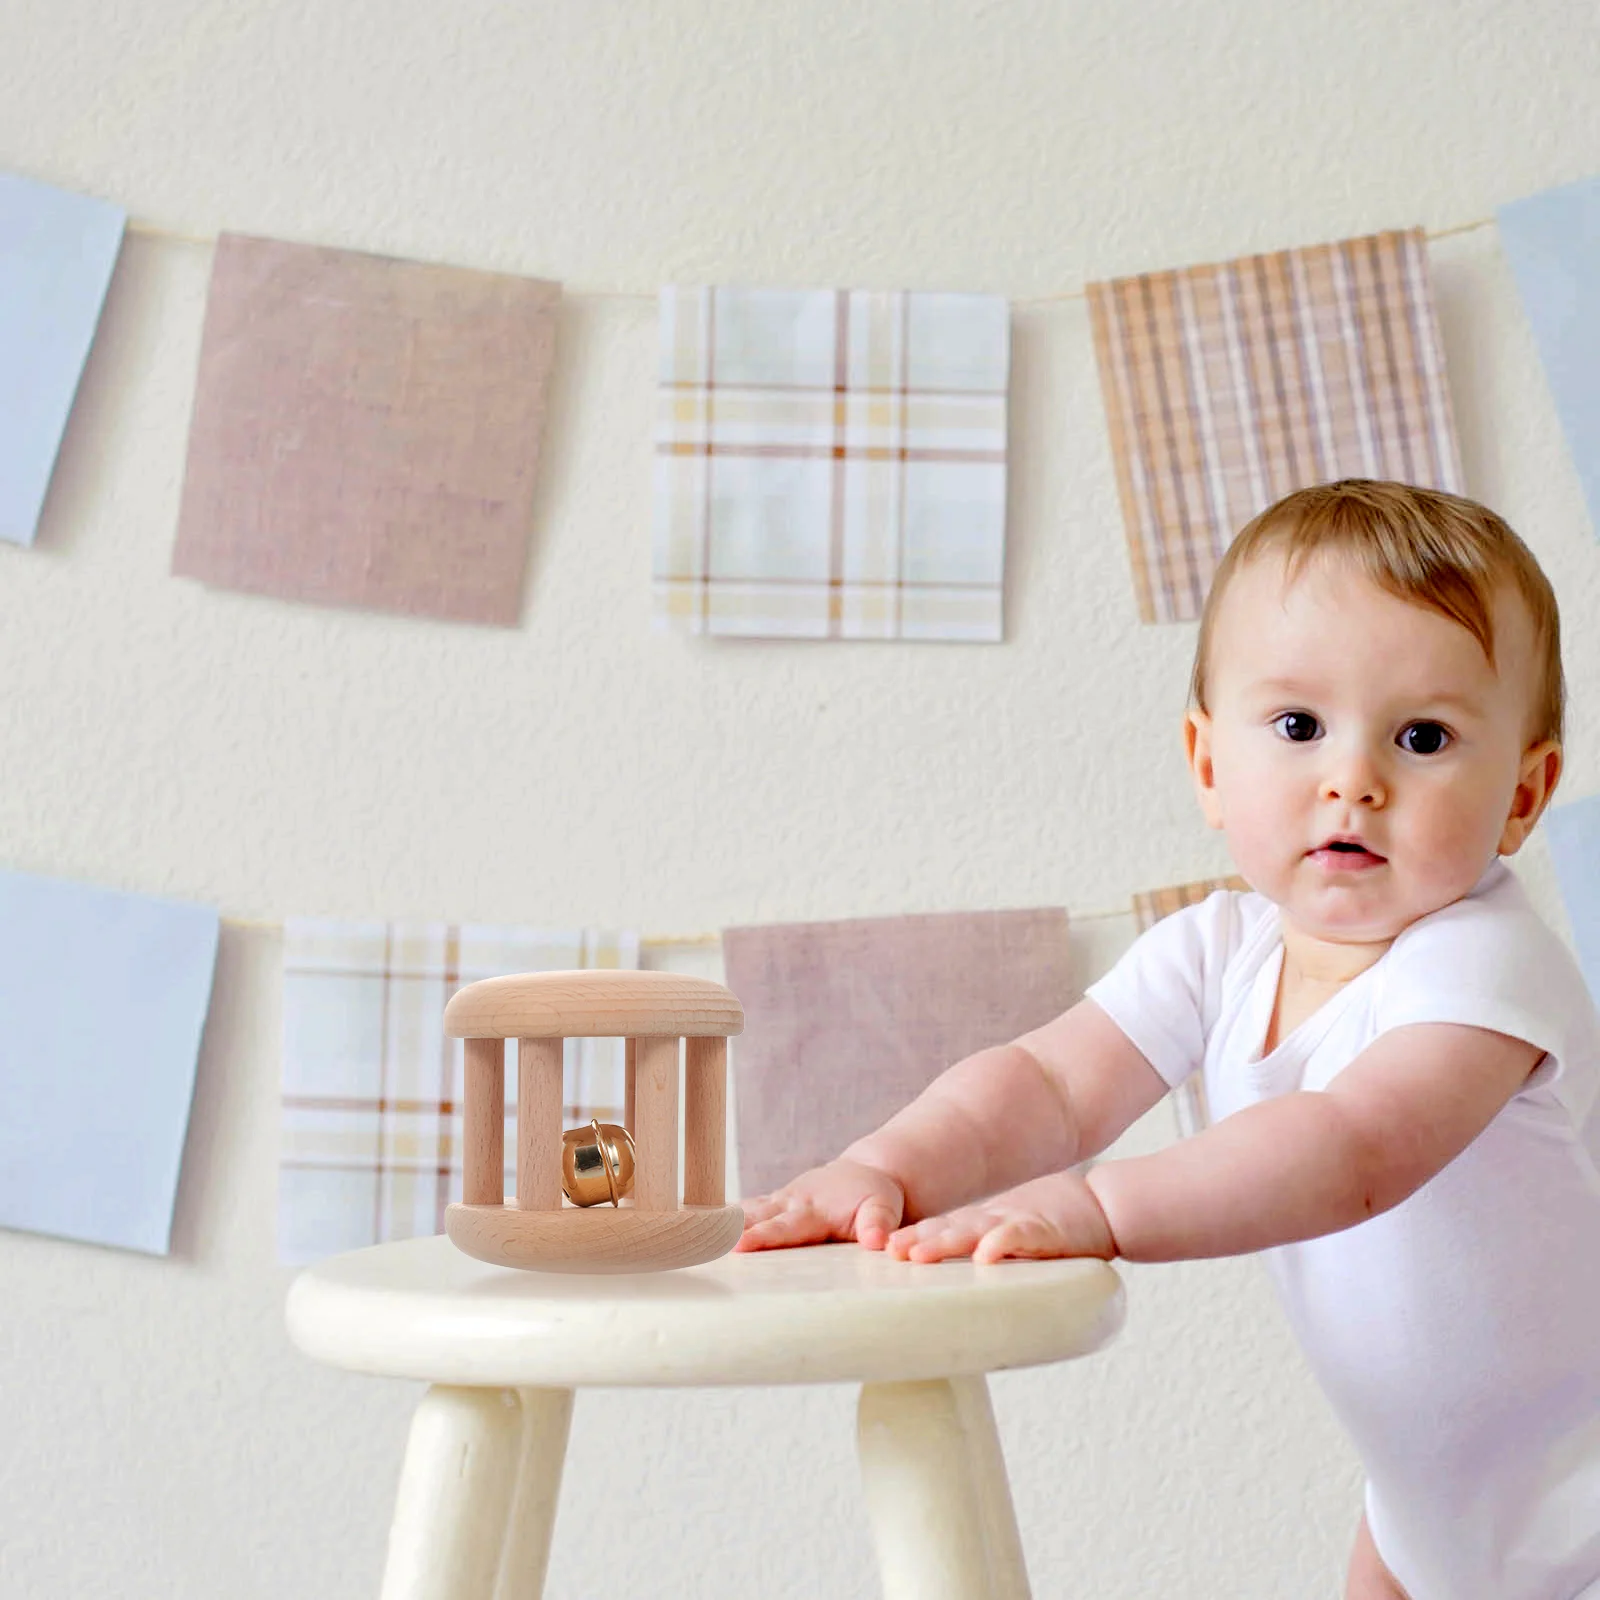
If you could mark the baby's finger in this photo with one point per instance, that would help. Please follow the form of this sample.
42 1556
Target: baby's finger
900 1242
949 1242
875 1221
759 1207
1021 1239
799 1225
937 1238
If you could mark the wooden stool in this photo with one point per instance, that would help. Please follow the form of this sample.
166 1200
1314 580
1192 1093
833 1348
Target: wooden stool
503 1352
652 1011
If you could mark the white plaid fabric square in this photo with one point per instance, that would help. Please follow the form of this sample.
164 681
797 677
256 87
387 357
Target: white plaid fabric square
831 464
371 1130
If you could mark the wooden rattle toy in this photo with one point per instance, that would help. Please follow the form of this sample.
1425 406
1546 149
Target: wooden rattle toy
607 1228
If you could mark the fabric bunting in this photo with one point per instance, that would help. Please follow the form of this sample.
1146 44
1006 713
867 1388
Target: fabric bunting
57 253
1149 907
831 464
371 1135
1574 834
845 1022
103 1003
1228 386
1552 241
366 431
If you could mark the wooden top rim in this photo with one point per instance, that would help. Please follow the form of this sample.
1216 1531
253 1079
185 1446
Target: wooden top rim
593 1004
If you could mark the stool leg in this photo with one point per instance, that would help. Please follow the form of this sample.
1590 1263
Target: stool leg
1008 1572
455 1491
525 1556
936 1492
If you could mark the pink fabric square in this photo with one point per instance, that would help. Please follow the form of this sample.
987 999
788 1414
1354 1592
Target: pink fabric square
845 1022
366 431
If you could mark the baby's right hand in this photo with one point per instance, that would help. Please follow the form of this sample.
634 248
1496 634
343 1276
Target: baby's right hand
841 1200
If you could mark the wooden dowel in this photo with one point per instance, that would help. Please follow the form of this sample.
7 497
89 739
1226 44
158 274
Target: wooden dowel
539 1102
655 1173
629 1069
705 1116
483 1123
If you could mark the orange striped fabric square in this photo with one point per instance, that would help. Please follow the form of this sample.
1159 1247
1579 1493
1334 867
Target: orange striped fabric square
1228 386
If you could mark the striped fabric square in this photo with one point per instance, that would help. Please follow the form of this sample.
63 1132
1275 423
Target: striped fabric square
1228 386
1149 907
831 464
371 1128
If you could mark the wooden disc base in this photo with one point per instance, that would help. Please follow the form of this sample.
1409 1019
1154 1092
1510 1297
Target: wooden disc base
594 1238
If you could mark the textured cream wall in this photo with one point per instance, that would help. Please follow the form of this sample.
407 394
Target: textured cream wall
158 1439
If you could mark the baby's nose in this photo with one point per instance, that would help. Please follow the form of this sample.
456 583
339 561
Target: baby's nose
1356 780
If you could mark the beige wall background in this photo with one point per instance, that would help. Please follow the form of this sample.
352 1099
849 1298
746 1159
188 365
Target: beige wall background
158 1436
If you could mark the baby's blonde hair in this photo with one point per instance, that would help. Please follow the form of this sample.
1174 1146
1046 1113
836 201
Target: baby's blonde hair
1433 549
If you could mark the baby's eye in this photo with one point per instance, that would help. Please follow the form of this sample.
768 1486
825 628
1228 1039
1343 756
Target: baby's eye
1423 738
1299 727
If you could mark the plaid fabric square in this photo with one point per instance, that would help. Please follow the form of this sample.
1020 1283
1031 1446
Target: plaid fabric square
371 1131
1149 907
1226 387
831 464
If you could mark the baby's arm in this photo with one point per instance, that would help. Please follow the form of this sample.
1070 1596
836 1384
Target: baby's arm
1310 1163
1053 1097
995 1119
1304 1164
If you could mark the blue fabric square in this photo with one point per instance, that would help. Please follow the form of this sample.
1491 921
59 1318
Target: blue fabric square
57 251
103 999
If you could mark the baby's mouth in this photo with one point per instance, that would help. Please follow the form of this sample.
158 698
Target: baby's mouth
1345 855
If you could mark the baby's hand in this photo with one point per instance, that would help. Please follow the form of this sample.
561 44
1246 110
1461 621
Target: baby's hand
1056 1215
842 1200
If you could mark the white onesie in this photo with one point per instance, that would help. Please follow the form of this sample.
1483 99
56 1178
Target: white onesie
1457 1335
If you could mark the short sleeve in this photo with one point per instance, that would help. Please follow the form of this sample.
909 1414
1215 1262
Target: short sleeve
1489 961
1163 992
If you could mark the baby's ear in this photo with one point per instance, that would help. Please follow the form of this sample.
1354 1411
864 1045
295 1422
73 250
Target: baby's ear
1537 777
1197 746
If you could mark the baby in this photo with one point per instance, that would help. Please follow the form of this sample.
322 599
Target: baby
1401 1061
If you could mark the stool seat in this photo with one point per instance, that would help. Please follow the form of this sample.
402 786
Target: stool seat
828 1314
503 1351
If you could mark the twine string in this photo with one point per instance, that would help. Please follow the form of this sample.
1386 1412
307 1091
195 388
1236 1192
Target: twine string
150 230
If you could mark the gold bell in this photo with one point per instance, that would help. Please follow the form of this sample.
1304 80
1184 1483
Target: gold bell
596 1163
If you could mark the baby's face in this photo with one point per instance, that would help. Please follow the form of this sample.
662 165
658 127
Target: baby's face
1339 713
